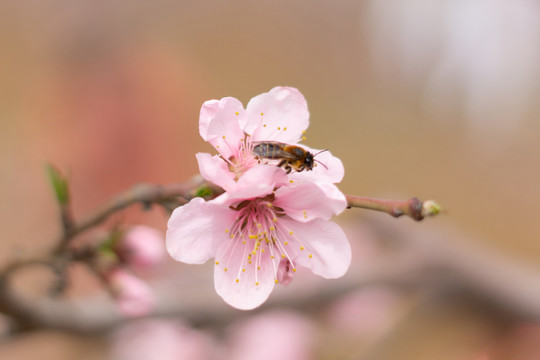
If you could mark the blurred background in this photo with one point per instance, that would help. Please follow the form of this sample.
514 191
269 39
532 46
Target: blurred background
434 99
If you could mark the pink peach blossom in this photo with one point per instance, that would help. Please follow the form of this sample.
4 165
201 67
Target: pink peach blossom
257 223
141 246
267 222
133 296
279 115
279 334
161 339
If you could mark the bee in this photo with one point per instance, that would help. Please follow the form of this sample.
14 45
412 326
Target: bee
290 156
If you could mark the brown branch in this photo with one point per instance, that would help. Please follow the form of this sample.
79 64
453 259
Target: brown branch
145 194
413 207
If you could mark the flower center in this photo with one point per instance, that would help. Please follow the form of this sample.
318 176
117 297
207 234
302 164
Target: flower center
261 238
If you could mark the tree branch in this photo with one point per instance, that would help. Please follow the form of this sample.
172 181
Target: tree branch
34 314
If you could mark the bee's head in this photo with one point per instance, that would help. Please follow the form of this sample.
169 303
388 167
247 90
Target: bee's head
309 161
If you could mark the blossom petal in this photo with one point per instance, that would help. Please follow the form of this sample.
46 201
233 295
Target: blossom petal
258 181
284 118
320 246
215 170
327 168
218 124
194 230
242 289
306 201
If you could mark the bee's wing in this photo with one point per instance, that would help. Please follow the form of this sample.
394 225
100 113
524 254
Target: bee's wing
278 151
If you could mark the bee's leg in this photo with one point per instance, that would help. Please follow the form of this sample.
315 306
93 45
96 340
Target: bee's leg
281 163
288 169
301 168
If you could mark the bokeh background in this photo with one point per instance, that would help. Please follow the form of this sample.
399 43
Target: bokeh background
435 99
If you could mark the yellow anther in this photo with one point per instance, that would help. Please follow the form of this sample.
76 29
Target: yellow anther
258 268
237 280
252 236
290 232
262 250
310 256
262 114
226 231
276 281
269 205
249 262
217 262
237 113
301 248
271 257
264 125
274 219
259 225
232 236
271 228
293 270
217 146
223 136
291 181
285 128
254 252
304 131
283 255
243 270
304 138
225 269
257 283
243 241
279 127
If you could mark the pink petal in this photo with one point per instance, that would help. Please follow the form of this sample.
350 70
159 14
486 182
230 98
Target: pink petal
195 229
215 170
258 181
325 241
218 124
253 286
332 170
284 115
306 201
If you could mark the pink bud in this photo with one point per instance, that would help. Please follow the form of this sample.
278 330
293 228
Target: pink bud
142 246
285 272
133 296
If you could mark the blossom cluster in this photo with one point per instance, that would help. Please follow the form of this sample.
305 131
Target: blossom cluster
268 222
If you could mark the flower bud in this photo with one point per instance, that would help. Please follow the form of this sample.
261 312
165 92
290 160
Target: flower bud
133 296
285 272
141 246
